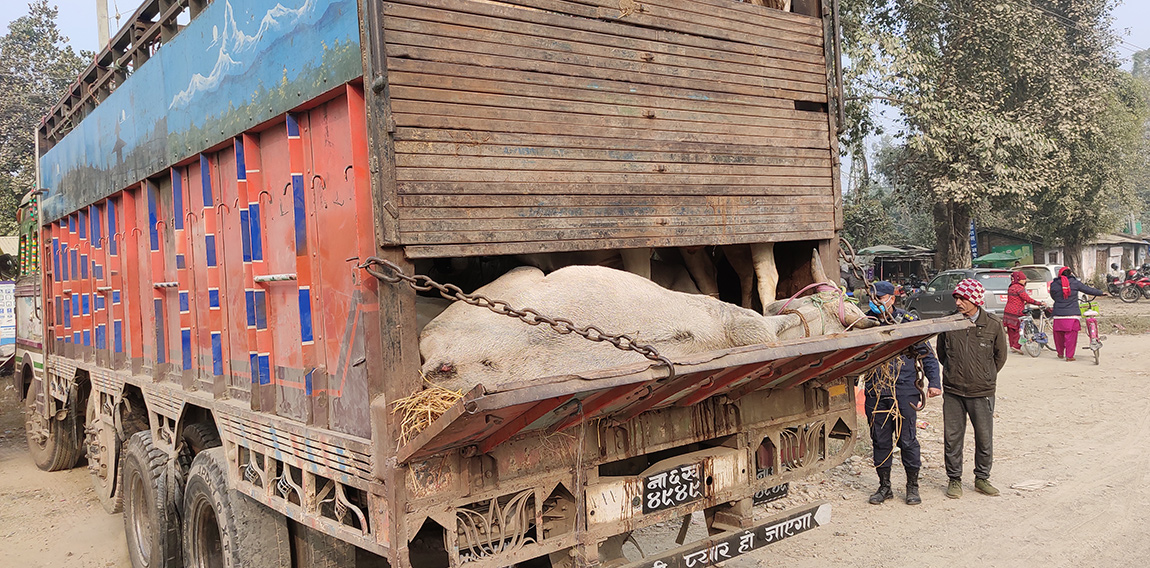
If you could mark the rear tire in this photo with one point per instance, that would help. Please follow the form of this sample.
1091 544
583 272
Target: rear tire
1130 294
227 529
54 448
150 518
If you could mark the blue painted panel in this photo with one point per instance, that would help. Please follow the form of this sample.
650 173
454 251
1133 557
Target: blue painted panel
115 297
178 198
210 249
217 354
246 235
59 311
75 304
206 180
161 349
254 361
97 271
181 262
64 272
87 337
213 298
257 236
72 254
239 63
241 165
186 347
261 310
265 370
307 382
97 233
112 246
71 223
67 313
305 314
153 217
183 301
250 300
56 258
118 336
76 337
101 336
84 304
99 299
83 267
300 214
82 223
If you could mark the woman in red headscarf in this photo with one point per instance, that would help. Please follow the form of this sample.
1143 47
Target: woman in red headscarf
1067 321
1016 301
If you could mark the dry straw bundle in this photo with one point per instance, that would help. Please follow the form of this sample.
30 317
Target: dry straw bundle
422 408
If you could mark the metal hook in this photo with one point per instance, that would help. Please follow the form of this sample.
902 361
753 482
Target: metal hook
160 222
263 193
120 235
224 205
191 214
137 231
323 186
286 186
345 170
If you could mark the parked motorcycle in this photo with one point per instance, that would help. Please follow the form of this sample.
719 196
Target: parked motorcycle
1114 283
1135 287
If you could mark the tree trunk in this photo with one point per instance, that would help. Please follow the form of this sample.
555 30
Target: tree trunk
952 234
1072 257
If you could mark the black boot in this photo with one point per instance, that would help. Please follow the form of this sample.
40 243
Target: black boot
912 497
884 491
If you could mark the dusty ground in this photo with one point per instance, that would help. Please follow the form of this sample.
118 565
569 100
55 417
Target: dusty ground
1081 429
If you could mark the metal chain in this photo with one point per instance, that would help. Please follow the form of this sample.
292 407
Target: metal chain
528 316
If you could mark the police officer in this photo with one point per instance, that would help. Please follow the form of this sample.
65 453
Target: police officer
891 398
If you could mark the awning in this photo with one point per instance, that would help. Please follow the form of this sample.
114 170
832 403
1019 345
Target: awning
482 420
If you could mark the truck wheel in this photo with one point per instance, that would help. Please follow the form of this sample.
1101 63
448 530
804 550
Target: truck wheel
51 442
225 528
150 518
103 450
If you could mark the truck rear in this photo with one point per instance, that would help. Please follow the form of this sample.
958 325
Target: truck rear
232 186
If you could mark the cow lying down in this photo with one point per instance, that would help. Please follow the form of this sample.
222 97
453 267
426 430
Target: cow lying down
466 345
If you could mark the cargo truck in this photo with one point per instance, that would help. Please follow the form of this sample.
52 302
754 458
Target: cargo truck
215 343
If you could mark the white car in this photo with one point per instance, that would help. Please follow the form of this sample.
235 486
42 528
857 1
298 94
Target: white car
1038 278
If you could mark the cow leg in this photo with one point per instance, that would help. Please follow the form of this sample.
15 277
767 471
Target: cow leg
702 270
740 258
763 256
637 261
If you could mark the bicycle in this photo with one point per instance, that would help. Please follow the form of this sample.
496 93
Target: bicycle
1089 310
1034 335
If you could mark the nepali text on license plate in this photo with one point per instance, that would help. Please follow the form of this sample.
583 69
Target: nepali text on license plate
672 488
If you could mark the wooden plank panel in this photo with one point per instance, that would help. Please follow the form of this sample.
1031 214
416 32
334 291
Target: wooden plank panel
497 55
533 188
508 176
574 212
543 202
612 232
471 142
541 164
556 12
484 125
621 221
502 248
413 99
560 44
418 113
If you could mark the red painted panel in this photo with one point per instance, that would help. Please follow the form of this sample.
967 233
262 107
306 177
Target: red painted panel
233 274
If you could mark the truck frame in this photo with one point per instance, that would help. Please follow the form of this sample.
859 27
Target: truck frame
215 181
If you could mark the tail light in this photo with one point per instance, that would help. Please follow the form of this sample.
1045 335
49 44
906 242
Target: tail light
1001 298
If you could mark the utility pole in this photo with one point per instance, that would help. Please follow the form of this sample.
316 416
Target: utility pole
102 24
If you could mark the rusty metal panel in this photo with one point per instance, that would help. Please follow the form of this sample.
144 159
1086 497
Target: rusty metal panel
483 419
547 125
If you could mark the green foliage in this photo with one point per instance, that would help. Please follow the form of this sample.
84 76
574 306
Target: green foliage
35 70
1009 105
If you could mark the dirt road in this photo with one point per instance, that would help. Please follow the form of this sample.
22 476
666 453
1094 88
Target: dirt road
1079 428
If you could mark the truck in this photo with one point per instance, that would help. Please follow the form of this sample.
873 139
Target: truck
230 188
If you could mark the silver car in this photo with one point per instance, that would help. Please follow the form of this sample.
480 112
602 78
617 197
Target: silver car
936 299
1038 277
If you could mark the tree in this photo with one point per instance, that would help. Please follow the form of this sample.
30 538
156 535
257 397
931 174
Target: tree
995 98
36 67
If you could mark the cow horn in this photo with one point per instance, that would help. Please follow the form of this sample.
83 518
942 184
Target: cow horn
817 272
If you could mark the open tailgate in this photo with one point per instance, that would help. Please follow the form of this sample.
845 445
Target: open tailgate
482 420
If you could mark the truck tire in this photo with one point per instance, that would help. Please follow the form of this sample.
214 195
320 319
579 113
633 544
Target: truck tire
54 447
225 528
150 517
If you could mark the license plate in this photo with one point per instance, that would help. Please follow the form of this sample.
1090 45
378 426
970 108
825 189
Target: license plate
773 494
672 488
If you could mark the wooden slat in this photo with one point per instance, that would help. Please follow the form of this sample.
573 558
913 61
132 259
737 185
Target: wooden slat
412 150
541 164
424 113
464 228
507 37
490 201
757 22
611 188
432 237
484 125
511 176
413 99
475 143
735 213
558 13
543 246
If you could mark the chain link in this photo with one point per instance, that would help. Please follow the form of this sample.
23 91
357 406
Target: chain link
885 317
388 271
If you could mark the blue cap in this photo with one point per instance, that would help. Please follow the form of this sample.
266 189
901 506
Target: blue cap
883 288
